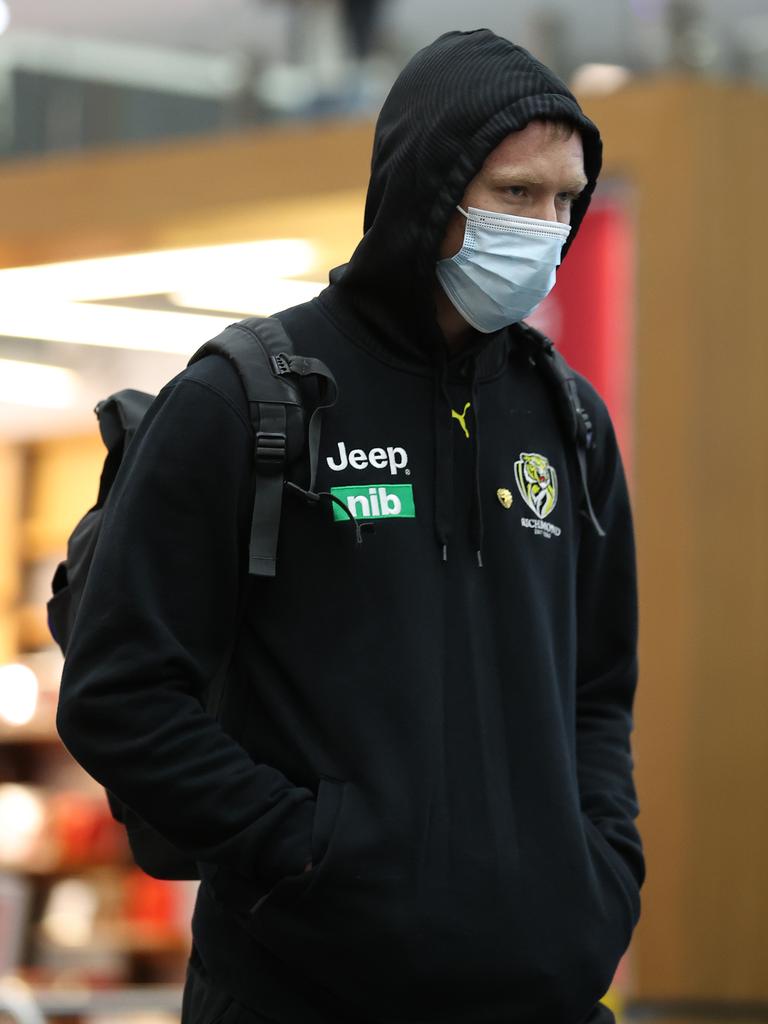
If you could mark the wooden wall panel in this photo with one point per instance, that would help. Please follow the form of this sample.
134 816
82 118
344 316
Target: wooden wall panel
696 152
63 484
145 197
729 770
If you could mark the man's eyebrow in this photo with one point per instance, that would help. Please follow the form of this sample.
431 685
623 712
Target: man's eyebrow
501 177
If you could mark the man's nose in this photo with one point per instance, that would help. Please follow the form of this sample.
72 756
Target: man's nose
546 209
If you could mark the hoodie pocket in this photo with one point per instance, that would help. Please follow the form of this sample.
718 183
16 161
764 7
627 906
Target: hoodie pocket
329 796
619 871
202 1001
292 888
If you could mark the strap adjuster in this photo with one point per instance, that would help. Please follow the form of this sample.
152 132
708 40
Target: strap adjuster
271 448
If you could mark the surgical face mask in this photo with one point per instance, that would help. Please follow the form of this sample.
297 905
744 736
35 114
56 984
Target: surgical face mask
504 269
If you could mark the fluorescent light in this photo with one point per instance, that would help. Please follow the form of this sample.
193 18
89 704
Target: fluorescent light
259 298
61 301
5 16
18 694
145 330
22 816
70 913
153 273
37 384
599 79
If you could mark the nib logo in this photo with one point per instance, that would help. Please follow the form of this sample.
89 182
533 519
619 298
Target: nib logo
376 501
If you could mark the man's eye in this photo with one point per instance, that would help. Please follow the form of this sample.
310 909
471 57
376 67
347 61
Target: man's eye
567 198
516 190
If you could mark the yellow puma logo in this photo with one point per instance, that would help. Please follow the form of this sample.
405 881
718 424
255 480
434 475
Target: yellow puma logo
461 417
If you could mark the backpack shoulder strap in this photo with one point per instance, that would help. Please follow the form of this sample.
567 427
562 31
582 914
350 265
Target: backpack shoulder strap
261 351
573 415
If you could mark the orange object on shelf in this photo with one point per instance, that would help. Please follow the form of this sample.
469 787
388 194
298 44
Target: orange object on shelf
84 830
149 904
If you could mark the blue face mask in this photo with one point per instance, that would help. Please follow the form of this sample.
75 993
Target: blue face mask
504 269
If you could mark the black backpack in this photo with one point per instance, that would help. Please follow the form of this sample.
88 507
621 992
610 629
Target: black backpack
262 353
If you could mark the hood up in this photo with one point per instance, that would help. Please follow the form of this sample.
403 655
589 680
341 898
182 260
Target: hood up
452 104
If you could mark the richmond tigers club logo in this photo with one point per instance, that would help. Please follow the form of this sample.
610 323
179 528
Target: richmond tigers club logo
537 483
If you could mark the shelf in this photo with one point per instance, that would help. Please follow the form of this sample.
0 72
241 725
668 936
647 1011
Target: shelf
87 1001
41 732
9 633
132 938
42 543
42 870
42 727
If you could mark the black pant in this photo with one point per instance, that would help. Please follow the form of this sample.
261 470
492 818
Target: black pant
203 1003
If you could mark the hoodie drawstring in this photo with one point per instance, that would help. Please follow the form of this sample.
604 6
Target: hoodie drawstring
478 527
313 498
444 469
443 458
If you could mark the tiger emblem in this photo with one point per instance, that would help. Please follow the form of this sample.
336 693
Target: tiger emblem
537 483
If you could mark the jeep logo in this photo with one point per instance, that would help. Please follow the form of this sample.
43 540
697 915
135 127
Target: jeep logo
380 458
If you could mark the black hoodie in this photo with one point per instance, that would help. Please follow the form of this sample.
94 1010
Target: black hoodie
447 741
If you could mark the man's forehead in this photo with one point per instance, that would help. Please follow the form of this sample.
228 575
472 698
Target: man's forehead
540 145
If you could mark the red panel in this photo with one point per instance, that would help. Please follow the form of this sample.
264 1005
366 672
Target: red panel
589 312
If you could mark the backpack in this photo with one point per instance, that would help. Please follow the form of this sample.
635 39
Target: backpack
262 353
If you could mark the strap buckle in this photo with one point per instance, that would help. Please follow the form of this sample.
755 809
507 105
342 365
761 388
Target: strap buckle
280 364
585 429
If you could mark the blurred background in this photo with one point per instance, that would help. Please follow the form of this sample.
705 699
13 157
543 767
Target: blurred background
168 168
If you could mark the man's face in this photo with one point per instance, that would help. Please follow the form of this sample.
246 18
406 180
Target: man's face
536 172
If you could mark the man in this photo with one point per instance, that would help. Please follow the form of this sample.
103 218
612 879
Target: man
418 805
